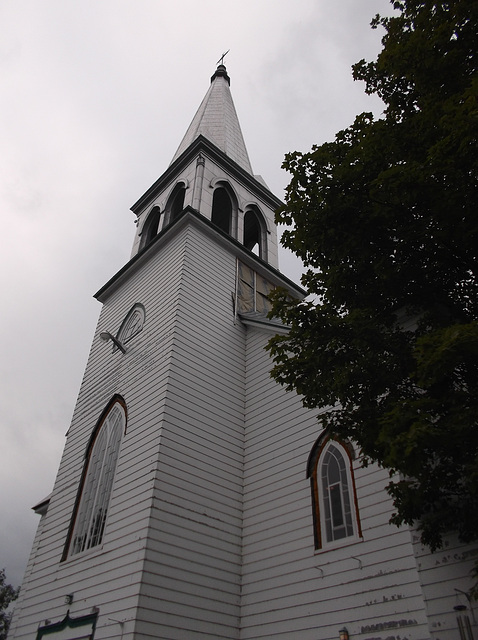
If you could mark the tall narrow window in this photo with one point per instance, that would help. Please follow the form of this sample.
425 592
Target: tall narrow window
88 523
222 210
333 494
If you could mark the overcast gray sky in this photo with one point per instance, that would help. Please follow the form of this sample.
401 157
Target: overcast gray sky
95 96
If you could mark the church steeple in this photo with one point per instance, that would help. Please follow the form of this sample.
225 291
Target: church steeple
216 119
211 174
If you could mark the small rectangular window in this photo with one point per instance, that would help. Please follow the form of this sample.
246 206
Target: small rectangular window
252 291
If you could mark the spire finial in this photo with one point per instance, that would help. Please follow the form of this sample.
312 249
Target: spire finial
221 71
221 59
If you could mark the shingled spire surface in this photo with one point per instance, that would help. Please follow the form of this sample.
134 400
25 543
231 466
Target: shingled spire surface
216 119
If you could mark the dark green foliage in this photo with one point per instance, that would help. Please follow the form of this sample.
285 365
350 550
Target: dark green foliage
7 595
386 219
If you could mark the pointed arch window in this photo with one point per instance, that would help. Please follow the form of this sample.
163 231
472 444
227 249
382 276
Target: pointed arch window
255 233
335 511
91 508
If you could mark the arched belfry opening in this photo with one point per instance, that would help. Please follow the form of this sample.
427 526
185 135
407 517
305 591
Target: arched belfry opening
151 227
176 202
222 210
255 235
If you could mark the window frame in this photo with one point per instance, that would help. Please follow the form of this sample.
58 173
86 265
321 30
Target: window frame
319 507
86 490
252 290
125 334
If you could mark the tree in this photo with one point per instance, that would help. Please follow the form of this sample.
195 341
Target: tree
7 595
385 218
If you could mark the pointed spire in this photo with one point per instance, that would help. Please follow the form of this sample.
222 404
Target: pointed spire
216 119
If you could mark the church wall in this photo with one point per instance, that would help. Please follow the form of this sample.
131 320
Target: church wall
290 590
28 570
180 556
446 582
191 580
109 577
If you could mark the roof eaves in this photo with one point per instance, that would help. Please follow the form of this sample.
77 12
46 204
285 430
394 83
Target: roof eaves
203 144
42 506
270 273
261 321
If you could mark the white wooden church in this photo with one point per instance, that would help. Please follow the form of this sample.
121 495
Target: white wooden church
196 499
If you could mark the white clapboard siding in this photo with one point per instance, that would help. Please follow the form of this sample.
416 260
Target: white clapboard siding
290 590
17 623
141 376
446 579
191 581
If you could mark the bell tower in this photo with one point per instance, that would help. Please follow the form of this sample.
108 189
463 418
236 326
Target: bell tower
211 173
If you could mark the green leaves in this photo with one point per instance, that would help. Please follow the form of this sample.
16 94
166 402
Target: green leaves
386 219
7 595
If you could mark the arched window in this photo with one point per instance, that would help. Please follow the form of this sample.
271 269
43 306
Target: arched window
132 324
91 509
222 210
333 494
255 233
151 227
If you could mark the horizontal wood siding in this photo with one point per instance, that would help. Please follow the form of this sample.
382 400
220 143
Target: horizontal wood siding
446 578
290 590
26 578
191 580
110 577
